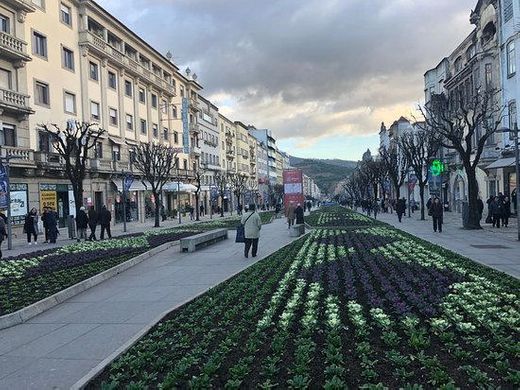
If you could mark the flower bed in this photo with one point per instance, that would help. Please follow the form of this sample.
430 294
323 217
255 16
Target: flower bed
31 277
337 216
369 307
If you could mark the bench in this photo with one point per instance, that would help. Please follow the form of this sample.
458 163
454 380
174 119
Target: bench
192 243
297 230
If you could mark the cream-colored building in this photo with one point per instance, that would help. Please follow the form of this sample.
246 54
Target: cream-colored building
88 67
242 149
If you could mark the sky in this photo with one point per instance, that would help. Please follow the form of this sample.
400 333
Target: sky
321 74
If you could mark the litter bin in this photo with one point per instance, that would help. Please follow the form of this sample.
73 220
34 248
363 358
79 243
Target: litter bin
72 227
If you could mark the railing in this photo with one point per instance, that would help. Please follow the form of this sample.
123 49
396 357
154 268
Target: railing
13 98
194 128
13 43
18 153
195 150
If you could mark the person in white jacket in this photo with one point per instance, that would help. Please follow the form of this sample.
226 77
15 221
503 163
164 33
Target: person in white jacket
252 225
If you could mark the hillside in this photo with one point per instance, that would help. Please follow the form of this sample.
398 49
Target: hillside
326 173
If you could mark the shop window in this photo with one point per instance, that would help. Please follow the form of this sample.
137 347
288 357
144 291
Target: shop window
8 135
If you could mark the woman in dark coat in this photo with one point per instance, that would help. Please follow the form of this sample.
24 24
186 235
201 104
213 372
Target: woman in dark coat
506 212
298 212
52 225
437 212
82 224
30 227
496 208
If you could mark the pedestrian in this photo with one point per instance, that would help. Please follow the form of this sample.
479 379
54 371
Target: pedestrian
400 208
496 211
277 209
289 214
429 203
30 226
298 213
513 199
436 210
201 209
105 217
52 225
191 209
163 213
506 212
252 225
92 223
44 222
480 208
3 234
82 224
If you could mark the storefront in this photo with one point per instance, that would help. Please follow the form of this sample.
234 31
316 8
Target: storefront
133 201
60 198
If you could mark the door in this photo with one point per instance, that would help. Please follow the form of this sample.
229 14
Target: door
98 201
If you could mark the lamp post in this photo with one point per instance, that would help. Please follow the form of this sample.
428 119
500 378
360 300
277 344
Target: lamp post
516 134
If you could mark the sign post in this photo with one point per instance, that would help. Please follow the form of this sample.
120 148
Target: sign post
293 186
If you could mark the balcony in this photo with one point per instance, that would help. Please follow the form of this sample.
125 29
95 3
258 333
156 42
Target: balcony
98 44
50 159
194 128
13 48
230 153
20 156
195 150
15 102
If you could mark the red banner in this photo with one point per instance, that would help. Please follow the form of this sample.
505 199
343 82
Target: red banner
293 186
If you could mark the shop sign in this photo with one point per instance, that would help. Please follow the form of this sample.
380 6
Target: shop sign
48 199
19 202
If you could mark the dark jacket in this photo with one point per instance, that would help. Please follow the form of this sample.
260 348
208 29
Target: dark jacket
31 224
437 210
298 212
82 220
496 207
401 206
105 217
44 216
51 219
92 217
506 212
480 206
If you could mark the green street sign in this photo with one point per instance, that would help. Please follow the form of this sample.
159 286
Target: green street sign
437 168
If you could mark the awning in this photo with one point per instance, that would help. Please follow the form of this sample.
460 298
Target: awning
502 163
137 185
116 141
132 142
174 186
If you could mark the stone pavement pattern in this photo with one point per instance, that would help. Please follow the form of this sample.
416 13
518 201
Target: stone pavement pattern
60 346
496 248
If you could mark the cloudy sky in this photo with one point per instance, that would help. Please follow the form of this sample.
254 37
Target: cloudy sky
322 74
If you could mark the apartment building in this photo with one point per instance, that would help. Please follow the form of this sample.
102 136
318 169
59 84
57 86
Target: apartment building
79 63
266 137
242 149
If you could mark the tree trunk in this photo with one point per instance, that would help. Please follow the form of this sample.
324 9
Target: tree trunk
473 221
78 196
421 193
197 196
221 205
157 208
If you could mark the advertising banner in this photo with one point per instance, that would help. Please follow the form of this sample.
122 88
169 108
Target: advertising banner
48 199
19 202
3 186
185 125
293 186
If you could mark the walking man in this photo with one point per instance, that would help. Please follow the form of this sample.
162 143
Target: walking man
400 208
437 212
51 225
92 223
81 224
289 213
252 225
105 217
506 212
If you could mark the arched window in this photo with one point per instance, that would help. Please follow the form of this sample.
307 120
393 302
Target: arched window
458 64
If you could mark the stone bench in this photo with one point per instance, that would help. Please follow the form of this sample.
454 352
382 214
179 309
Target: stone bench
297 230
192 243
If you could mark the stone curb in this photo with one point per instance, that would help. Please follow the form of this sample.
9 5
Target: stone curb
22 315
92 374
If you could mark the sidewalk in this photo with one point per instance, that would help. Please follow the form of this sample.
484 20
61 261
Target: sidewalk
496 248
20 245
60 346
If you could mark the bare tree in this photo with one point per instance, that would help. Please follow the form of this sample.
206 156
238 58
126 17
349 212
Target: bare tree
464 124
252 187
419 147
373 172
238 183
73 145
199 174
396 166
221 183
156 163
277 193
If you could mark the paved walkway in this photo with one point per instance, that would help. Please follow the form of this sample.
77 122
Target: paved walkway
496 248
20 245
60 346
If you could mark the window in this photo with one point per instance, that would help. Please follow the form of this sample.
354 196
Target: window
154 100
155 130
41 93
68 59
116 152
38 3
489 76
470 53
458 64
98 152
182 91
508 10
8 135
142 95
129 122
70 102
175 137
5 79
94 111
39 42
164 106
144 130
128 88
511 111
93 70
185 165
174 111
112 80
44 141
5 24
112 113
65 14
165 133
511 61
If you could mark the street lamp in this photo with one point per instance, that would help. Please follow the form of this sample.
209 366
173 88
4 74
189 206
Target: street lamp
515 133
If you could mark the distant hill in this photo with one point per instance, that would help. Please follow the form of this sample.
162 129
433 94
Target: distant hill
326 173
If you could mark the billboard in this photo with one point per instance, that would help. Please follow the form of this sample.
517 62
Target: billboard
293 186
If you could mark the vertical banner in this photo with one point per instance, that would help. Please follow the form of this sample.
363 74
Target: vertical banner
3 186
293 186
185 125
